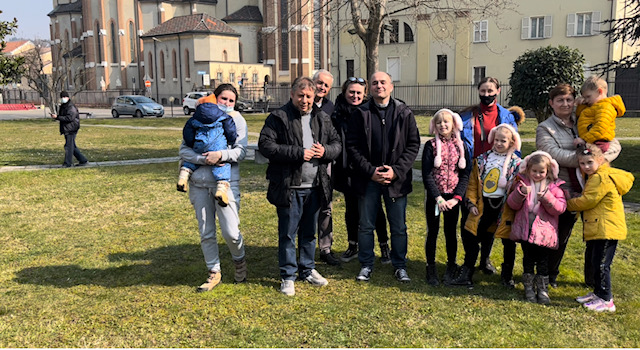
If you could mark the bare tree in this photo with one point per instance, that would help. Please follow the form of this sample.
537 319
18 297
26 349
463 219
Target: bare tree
626 30
66 70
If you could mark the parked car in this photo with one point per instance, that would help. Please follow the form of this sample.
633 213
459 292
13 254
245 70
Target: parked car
244 105
137 106
189 100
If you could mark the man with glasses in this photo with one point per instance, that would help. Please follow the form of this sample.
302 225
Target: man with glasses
382 148
324 80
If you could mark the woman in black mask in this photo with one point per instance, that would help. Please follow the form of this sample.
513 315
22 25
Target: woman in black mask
477 121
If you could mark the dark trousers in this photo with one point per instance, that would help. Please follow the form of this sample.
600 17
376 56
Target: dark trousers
450 224
602 252
325 228
535 256
565 225
509 252
482 242
352 219
71 150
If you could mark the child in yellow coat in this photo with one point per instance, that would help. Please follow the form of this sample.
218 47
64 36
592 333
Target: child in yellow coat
603 221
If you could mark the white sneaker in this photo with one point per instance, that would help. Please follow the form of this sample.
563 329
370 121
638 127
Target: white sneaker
316 278
287 288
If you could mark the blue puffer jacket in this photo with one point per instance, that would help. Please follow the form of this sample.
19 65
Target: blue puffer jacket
468 121
205 116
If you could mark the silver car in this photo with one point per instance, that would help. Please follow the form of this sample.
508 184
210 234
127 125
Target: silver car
137 106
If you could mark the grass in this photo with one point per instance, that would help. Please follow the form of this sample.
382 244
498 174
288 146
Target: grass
110 257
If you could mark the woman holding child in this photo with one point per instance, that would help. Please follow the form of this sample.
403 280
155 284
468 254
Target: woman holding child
556 136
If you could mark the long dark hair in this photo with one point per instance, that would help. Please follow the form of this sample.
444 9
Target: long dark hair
225 87
484 80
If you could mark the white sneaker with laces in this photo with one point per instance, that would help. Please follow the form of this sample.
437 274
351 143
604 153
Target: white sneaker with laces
586 298
600 305
287 288
316 279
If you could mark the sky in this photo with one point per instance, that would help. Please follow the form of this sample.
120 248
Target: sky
33 22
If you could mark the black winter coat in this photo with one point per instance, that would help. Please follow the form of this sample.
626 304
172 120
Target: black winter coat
69 118
341 170
281 142
403 152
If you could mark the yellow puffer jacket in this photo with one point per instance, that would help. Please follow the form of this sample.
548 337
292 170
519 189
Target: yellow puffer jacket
598 122
601 204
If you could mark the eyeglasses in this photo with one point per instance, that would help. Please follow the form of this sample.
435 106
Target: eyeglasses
357 80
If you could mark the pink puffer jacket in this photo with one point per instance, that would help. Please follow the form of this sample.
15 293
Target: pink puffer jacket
544 231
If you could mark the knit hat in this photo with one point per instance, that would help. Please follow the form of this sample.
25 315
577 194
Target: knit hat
457 127
555 169
208 99
64 94
502 182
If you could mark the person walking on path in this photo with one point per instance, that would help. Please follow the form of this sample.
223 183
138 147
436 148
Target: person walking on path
299 141
69 119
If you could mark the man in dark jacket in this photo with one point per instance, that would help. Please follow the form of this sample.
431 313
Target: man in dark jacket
299 140
324 80
382 147
69 119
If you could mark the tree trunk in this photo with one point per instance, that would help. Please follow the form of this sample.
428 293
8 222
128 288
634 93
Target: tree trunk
372 54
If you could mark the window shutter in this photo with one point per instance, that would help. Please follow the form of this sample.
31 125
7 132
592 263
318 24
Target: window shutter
525 28
571 24
595 22
484 26
548 21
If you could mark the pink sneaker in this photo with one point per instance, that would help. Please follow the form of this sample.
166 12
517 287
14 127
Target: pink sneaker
600 305
586 298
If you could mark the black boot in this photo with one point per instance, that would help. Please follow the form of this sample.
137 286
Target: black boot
464 277
507 276
529 292
432 275
553 281
542 284
450 273
487 267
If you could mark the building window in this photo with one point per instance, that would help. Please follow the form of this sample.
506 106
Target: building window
536 27
350 69
224 56
395 32
114 43
187 63
132 42
478 74
219 77
162 76
260 53
240 52
583 24
393 68
284 35
150 65
408 33
97 35
442 67
174 63
317 33
480 31
254 78
232 77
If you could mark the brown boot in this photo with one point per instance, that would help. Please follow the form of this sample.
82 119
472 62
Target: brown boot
183 179
214 279
241 271
221 193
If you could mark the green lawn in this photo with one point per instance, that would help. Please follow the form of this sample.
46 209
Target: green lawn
110 257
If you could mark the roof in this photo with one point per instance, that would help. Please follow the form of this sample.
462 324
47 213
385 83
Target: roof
14 45
67 8
245 14
198 23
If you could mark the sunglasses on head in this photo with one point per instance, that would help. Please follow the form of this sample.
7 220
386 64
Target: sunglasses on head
357 80
586 152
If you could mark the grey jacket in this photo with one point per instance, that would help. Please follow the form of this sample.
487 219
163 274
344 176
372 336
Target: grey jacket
556 138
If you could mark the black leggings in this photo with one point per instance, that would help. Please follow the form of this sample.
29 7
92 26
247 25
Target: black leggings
450 218
483 241
535 255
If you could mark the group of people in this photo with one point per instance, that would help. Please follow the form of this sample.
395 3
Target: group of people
365 145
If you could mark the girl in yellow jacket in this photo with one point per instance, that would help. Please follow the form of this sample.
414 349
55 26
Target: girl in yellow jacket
602 219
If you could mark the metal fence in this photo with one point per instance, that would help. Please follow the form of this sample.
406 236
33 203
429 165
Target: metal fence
420 98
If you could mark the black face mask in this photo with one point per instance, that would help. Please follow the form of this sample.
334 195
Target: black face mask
487 100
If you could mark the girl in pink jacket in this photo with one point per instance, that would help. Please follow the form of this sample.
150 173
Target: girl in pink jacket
538 201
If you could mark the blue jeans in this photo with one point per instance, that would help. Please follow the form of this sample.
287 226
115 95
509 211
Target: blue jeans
71 150
300 219
369 205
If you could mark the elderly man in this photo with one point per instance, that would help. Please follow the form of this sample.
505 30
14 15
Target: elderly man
383 146
300 141
324 80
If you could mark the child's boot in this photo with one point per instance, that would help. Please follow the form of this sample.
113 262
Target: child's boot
506 275
542 286
464 277
221 193
432 275
183 179
529 292
450 273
